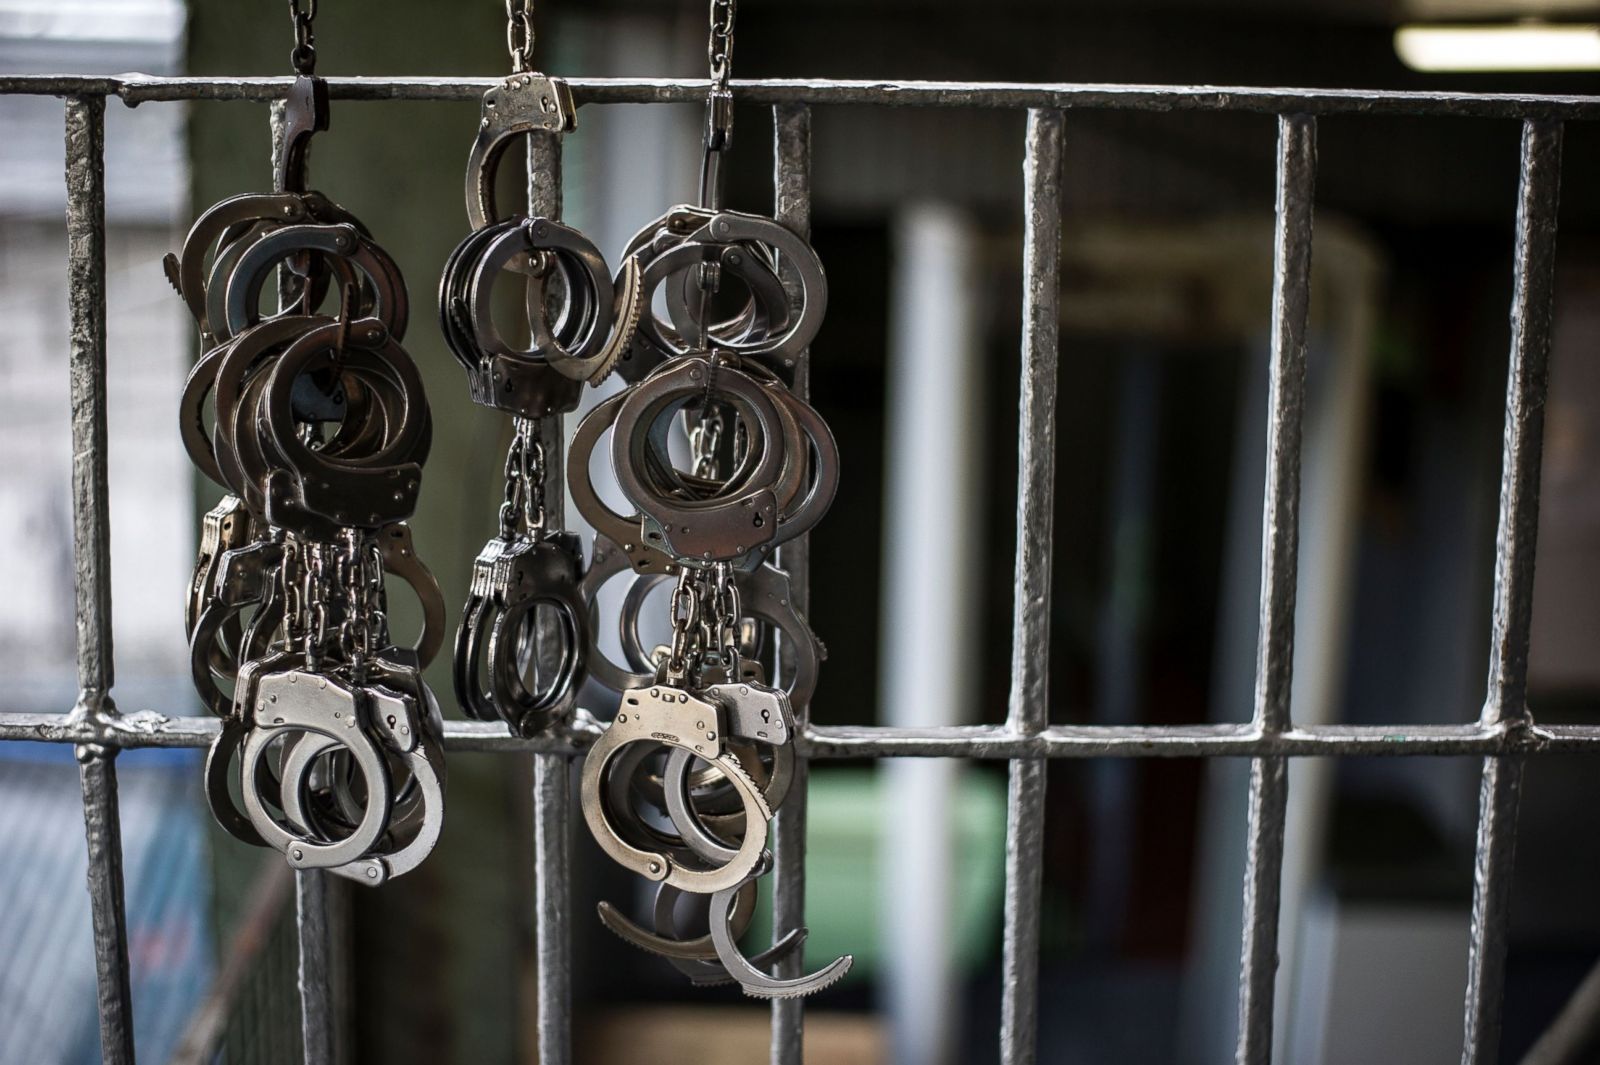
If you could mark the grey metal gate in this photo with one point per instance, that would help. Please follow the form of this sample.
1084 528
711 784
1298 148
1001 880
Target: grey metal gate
1503 735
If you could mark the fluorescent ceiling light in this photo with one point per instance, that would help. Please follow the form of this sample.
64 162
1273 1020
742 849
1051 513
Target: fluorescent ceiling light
1507 47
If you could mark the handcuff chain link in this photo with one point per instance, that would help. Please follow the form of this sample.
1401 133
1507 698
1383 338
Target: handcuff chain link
687 636
705 438
304 56
365 624
729 611
524 475
719 46
519 34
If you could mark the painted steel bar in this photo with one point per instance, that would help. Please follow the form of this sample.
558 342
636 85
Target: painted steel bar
91 535
1499 797
135 89
552 899
314 919
1029 706
91 506
318 1017
1280 521
102 824
1280 550
986 742
1532 302
791 185
552 777
1532 308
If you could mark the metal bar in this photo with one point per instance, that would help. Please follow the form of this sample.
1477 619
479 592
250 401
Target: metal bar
1280 546
1028 713
135 89
791 184
1280 533
552 785
1532 300
91 508
962 741
317 1014
552 793
97 773
314 916
91 534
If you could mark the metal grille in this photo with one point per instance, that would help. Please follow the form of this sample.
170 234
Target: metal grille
1504 735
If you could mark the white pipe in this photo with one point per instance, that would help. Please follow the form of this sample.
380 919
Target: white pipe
933 504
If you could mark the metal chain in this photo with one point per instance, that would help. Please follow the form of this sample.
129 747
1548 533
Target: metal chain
705 439
519 34
533 473
304 55
354 637
314 599
511 505
719 47
683 660
296 618
729 612
719 105
365 625
525 472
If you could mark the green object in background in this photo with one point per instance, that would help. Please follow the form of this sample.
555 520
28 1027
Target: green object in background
845 829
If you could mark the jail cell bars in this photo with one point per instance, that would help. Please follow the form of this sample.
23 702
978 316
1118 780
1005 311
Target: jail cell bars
1503 736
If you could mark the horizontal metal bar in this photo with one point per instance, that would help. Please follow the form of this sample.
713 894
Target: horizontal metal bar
135 89
149 729
146 728
1194 741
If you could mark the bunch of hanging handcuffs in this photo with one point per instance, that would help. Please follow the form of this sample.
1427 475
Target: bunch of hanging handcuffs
316 425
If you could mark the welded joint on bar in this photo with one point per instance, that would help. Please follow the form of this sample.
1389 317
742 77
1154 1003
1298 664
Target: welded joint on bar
94 722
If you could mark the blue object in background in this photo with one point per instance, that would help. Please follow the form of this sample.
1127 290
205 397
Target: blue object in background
47 971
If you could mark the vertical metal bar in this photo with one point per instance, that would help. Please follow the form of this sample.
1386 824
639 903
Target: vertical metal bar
91 529
1533 294
317 1016
1280 547
553 906
791 182
97 773
552 789
314 916
91 507
1029 709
